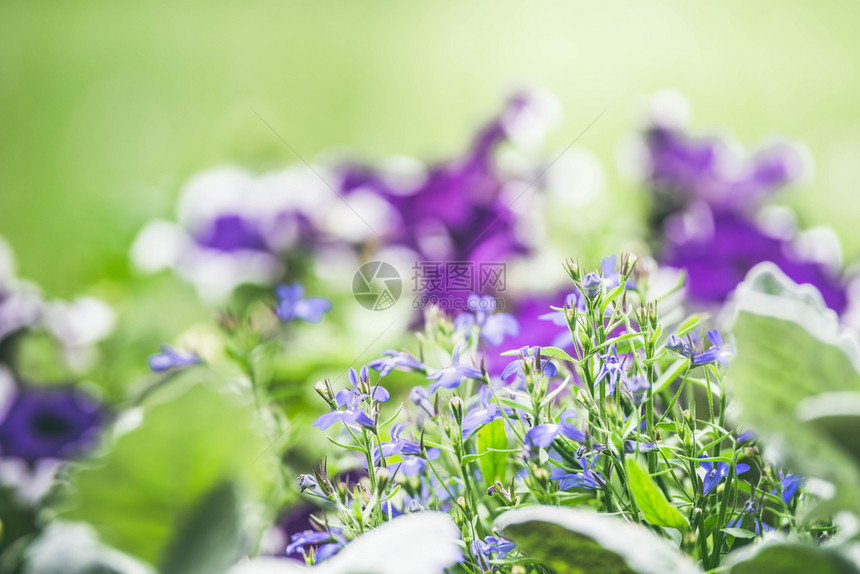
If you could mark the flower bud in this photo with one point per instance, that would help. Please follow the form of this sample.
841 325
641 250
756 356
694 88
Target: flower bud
457 408
415 506
383 477
591 285
461 502
323 389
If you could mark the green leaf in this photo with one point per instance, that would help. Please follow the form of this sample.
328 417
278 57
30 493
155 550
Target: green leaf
778 557
573 541
155 477
650 499
739 532
493 464
790 349
211 539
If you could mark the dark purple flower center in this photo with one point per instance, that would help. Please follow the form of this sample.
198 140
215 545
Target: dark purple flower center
232 233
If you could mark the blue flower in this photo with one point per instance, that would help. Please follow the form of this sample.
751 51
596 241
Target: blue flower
450 377
515 368
392 359
611 369
421 397
543 435
483 414
292 304
327 543
750 513
171 358
716 353
481 549
348 402
714 476
494 327
586 479
789 484
410 451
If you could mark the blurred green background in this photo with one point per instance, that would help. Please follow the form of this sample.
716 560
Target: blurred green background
106 107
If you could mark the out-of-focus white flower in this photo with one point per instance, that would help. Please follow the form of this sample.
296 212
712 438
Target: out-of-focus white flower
78 325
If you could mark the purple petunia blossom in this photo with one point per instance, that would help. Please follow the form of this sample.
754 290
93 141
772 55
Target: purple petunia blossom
55 422
292 304
392 359
171 358
543 435
494 327
714 476
450 377
585 479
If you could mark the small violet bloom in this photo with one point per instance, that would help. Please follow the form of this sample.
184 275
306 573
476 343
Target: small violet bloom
714 476
586 479
515 369
410 451
450 377
327 543
591 285
171 358
483 414
494 327
543 435
481 549
392 359
348 401
789 484
716 353
611 369
292 304
421 397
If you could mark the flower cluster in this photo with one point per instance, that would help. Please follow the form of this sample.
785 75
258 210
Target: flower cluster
555 428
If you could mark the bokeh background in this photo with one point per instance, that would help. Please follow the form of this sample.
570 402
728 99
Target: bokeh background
107 108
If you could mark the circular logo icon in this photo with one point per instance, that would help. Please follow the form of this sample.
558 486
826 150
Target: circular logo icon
377 285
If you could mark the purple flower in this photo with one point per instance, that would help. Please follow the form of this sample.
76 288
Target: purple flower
515 369
327 543
421 397
51 422
410 451
171 358
481 549
482 414
349 410
450 377
392 359
638 386
585 479
543 435
292 304
789 484
611 369
750 513
494 327
716 353
714 476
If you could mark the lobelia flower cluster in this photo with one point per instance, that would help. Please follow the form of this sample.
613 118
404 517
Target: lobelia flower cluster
630 409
